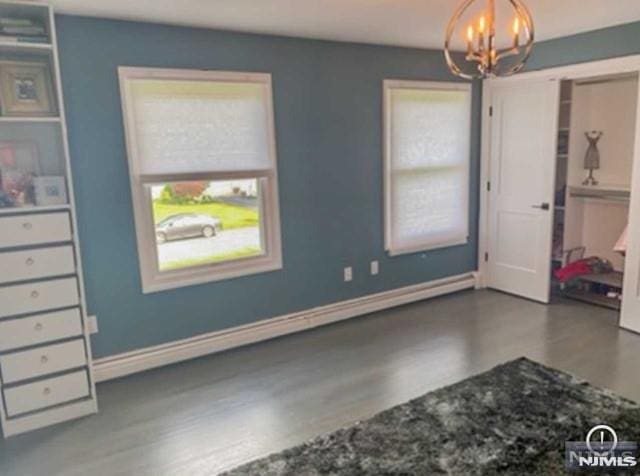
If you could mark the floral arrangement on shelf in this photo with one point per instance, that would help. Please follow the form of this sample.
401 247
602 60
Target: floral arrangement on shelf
18 163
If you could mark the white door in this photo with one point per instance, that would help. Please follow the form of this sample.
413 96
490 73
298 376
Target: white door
630 317
522 174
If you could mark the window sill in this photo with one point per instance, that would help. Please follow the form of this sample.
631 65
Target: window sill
207 274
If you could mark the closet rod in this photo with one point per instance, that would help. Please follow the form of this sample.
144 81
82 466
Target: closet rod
606 196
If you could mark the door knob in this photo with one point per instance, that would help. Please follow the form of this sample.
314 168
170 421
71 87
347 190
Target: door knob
542 206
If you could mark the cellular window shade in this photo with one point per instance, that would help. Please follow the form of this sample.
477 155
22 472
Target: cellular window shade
186 126
429 168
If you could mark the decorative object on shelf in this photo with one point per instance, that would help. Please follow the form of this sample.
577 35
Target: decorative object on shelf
15 30
485 58
19 164
592 156
50 191
26 89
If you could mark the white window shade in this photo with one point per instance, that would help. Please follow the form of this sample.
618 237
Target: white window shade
427 153
184 126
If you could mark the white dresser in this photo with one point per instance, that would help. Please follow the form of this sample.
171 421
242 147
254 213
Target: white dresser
45 351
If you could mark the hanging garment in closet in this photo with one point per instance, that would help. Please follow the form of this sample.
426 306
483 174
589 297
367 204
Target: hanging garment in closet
621 245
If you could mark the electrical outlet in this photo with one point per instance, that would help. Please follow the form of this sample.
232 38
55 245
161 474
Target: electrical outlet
348 274
375 268
92 323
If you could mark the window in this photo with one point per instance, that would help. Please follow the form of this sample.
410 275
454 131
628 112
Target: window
427 147
202 164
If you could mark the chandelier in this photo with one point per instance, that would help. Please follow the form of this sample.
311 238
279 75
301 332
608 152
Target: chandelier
486 55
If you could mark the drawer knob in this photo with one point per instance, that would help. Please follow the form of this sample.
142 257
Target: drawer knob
38 326
27 225
46 391
44 359
35 294
29 262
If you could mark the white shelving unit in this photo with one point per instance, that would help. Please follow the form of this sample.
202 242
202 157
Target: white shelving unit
10 120
45 350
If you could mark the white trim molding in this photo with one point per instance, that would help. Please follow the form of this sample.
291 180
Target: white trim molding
266 176
424 242
151 357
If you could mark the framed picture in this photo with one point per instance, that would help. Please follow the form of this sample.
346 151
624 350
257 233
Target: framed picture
50 190
26 89
19 164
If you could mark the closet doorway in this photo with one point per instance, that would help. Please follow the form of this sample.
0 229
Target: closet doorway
594 162
561 179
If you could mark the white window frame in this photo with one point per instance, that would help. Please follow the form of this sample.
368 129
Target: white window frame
153 279
388 86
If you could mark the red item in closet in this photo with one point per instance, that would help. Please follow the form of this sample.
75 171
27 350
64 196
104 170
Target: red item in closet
573 270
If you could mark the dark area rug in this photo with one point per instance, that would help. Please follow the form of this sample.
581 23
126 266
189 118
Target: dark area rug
511 420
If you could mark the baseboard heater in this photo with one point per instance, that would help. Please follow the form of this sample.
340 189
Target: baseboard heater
151 357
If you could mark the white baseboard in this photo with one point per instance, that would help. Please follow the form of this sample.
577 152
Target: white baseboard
151 357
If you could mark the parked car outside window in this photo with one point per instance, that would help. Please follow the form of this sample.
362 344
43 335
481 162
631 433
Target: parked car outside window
177 227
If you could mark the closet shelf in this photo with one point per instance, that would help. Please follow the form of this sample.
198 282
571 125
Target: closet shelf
602 192
36 209
593 298
613 279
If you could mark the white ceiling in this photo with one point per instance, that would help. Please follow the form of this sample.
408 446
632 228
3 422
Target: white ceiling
419 23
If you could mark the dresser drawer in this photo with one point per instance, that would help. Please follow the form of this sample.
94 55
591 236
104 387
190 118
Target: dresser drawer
38 263
34 229
39 329
42 361
35 297
46 393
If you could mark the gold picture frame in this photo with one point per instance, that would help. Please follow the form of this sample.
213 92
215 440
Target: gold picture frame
26 89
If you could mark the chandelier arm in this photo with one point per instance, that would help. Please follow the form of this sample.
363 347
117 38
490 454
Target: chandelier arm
527 20
507 52
474 56
453 66
516 69
524 13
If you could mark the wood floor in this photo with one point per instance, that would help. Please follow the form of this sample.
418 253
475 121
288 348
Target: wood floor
207 415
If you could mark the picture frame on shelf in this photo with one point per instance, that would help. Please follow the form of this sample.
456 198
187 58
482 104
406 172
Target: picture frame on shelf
26 89
50 190
19 165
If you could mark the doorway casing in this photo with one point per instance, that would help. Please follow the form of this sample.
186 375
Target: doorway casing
630 317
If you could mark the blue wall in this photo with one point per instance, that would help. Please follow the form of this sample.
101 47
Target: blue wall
595 45
327 99
328 120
